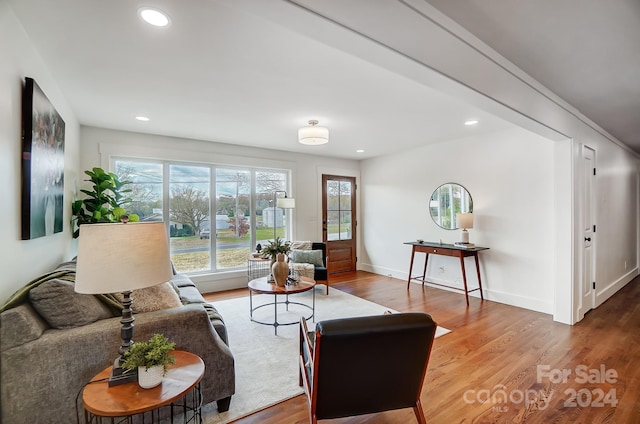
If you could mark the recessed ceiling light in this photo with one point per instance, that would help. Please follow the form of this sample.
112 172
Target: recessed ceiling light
360 151
154 17
471 122
142 118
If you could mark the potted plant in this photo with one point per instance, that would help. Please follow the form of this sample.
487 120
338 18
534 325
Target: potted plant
272 249
104 202
151 359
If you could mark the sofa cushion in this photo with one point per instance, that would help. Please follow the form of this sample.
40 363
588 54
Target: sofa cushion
20 325
313 257
155 298
58 303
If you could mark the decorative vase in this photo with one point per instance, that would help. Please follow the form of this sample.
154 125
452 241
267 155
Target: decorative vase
280 270
150 377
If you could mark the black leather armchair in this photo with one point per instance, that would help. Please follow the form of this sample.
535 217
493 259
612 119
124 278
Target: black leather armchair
356 366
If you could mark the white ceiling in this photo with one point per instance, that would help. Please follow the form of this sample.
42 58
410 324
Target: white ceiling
585 51
220 74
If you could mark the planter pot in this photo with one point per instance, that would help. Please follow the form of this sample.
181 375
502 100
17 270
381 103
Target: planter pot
280 270
150 377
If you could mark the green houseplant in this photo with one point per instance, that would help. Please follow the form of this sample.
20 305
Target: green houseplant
103 203
272 249
151 358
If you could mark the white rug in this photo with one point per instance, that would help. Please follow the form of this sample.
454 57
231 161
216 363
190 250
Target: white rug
266 364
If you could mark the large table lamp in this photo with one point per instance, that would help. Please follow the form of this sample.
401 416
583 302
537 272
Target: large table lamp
116 258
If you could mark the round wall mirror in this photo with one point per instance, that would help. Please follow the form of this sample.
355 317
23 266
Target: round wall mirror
448 200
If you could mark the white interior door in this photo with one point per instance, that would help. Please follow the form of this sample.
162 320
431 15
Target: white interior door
587 289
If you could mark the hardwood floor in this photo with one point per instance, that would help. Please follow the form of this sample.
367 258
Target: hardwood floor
496 350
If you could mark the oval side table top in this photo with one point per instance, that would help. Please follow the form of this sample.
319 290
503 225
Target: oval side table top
130 399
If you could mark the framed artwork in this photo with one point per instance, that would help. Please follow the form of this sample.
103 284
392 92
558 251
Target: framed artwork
42 164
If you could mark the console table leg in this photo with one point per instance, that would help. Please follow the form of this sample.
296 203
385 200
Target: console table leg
413 254
424 271
464 278
478 271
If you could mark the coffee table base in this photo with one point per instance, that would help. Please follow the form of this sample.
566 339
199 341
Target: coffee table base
275 304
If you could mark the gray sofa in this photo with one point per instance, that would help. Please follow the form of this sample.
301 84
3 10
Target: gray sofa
43 369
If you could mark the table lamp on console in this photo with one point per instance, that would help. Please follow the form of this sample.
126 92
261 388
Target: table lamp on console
123 257
464 221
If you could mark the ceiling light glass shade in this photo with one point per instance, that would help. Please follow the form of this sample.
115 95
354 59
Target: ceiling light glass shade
313 135
154 17
286 203
121 257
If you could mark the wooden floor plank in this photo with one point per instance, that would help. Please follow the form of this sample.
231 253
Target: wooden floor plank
496 347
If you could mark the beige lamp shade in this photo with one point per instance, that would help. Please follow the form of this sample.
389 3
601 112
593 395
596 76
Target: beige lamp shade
122 257
286 203
464 220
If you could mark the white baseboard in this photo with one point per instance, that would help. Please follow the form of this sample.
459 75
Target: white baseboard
606 292
495 296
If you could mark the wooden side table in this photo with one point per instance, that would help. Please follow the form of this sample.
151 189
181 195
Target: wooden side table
179 392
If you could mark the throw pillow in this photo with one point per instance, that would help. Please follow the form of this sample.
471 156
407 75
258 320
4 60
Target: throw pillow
154 298
313 257
58 303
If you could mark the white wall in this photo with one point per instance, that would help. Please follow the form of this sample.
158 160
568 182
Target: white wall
98 145
510 178
20 260
454 61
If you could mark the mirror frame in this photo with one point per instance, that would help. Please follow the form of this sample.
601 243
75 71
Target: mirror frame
437 219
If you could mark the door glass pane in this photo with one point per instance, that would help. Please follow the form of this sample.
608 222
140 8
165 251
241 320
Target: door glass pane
345 196
232 225
190 227
333 225
146 188
345 225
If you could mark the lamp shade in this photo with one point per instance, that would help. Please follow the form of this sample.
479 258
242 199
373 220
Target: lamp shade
313 135
122 257
286 203
464 220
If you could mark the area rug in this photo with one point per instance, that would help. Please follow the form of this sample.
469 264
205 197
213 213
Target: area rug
266 364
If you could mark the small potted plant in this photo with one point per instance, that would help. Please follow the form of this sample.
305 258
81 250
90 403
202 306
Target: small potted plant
272 249
151 359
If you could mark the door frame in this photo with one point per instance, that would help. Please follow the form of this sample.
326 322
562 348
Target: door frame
320 171
584 304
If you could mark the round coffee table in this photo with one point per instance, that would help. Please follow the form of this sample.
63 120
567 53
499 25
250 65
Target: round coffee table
179 390
263 286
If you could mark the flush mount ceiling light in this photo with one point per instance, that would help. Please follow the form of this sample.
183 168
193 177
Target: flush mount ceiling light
471 122
154 17
142 118
313 135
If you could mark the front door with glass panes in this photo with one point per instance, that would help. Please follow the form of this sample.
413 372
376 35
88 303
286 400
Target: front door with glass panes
339 222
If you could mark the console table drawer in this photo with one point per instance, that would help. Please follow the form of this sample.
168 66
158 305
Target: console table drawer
437 250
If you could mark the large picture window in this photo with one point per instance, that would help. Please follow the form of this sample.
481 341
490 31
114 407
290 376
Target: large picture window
217 214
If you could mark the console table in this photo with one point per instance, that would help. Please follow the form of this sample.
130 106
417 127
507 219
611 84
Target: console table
446 250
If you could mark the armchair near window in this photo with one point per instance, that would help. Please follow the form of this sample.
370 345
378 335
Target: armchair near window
363 365
311 260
